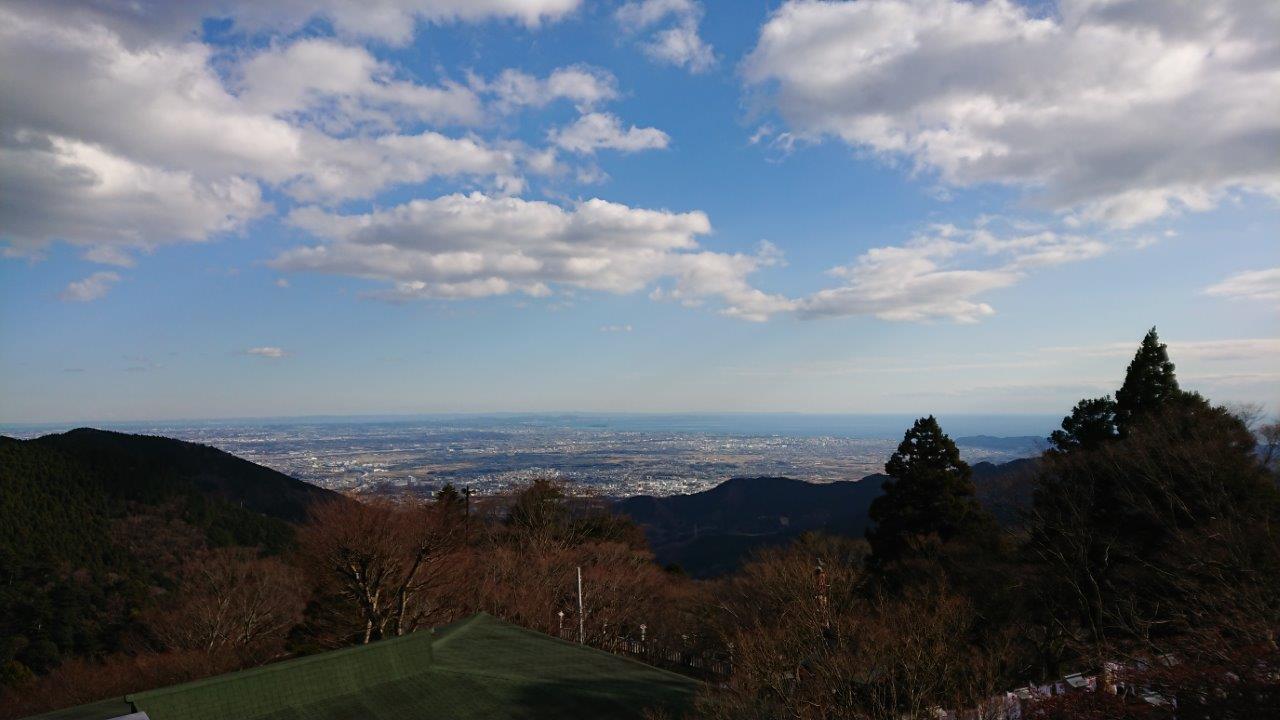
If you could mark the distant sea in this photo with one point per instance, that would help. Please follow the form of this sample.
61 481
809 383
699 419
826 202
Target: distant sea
859 426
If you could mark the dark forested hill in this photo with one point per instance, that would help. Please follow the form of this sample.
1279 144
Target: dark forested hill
710 532
1005 489
93 523
147 468
59 492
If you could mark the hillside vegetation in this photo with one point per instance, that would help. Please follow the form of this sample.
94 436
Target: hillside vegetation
95 524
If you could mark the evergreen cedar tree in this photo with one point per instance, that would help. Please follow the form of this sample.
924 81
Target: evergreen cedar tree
1091 423
929 492
1149 384
1146 506
449 502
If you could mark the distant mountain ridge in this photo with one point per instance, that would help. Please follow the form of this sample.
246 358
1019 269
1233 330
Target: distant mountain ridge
142 467
59 493
709 533
1016 443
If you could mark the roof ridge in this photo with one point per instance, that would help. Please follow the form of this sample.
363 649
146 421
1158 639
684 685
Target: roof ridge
601 651
266 689
290 663
441 635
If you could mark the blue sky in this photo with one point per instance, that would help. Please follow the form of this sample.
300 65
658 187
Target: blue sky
226 209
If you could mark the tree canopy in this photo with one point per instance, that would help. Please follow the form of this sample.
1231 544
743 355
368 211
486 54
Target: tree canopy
1149 382
1091 423
929 492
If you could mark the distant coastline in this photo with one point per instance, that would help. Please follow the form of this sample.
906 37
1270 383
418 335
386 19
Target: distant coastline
845 425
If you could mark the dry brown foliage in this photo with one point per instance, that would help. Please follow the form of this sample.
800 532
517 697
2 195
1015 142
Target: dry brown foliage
809 642
231 599
81 681
382 557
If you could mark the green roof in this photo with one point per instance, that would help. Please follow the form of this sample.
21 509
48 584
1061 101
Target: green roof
478 668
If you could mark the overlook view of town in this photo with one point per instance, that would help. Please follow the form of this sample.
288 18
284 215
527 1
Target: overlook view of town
606 455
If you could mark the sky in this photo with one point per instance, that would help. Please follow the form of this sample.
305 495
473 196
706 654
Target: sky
225 208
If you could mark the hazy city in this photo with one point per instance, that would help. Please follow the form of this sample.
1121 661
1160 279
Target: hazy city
607 455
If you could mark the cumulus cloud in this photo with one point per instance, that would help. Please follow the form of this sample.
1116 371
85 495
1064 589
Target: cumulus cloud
109 255
478 245
583 85
595 131
130 137
62 189
392 21
91 288
341 86
677 42
1114 111
116 147
943 274
1260 285
266 351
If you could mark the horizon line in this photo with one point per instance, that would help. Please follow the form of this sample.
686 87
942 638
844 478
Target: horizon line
373 417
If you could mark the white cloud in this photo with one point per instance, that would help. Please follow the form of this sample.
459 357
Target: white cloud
469 246
1260 285
339 86
472 246
925 279
392 21
676 44
267 351
395 20
124 142
161 106
722 275
91 288
1116 111
341 169
109 255
115 146
583 85
59 188
596 131
1229 350
615 328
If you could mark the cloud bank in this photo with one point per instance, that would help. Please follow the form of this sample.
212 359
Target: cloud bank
479 245
1258 285
1114 111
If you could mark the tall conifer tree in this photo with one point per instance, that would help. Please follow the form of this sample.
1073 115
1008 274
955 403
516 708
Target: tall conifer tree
1149 382
930 492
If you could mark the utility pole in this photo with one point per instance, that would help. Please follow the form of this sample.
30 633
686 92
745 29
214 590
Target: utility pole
466 520
582 635
820 574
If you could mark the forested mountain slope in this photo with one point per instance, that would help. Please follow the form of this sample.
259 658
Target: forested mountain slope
710 532
93 523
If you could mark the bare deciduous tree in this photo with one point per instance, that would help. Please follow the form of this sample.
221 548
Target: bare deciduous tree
383 557
231 599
